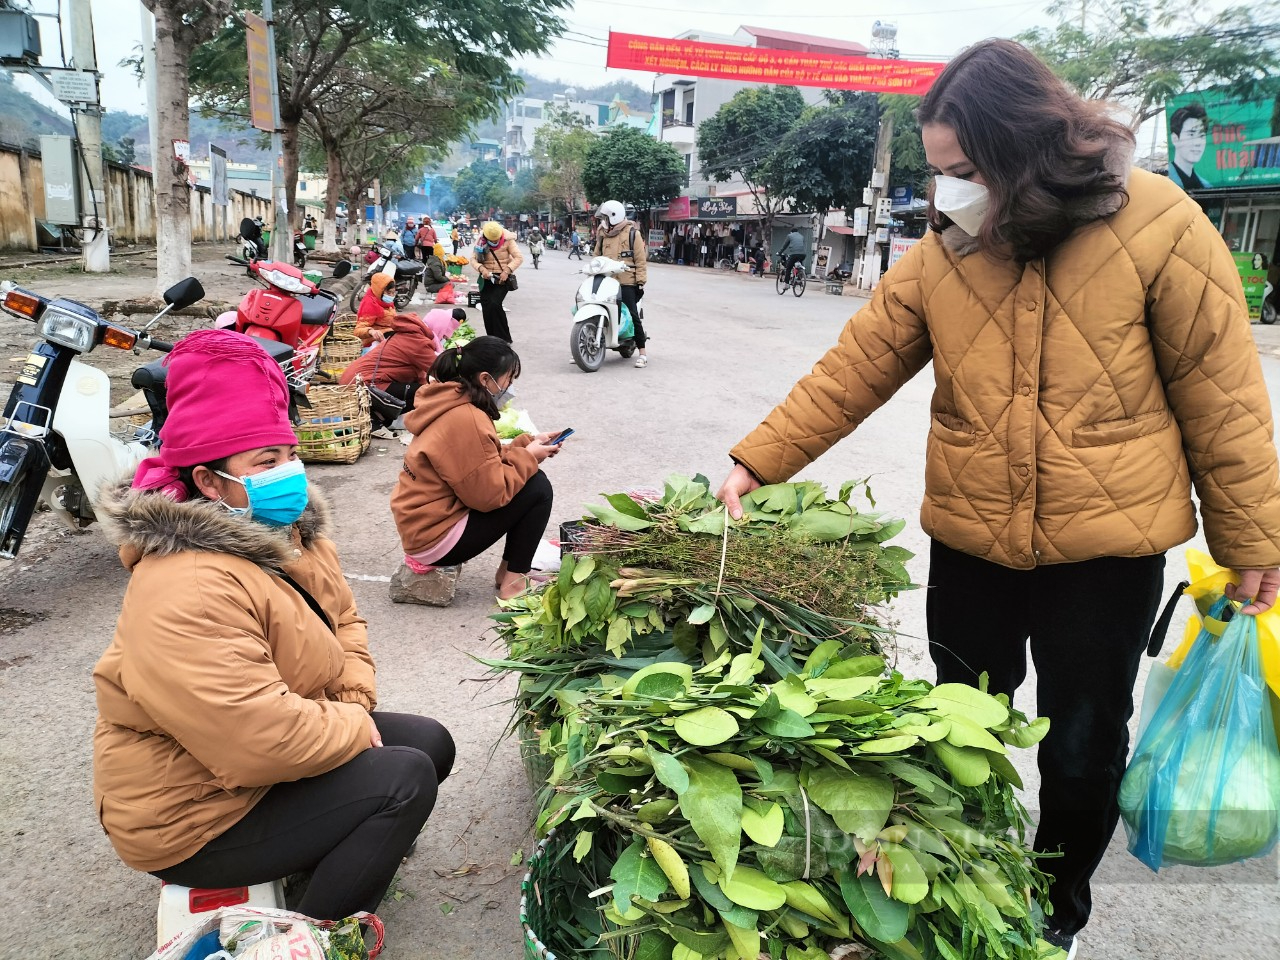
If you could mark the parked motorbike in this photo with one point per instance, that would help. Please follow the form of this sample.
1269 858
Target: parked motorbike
288 309
299 250
597 315
254 248
660 255
56 441
407 275
536 249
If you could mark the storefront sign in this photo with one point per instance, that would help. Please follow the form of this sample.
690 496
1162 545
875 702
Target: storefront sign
1253 277
717 208
1218 142
657 239
860 216
692 58
677 209
901 197
261 107
822 261
898 248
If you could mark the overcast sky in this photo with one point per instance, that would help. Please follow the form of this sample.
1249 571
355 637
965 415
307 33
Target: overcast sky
927 29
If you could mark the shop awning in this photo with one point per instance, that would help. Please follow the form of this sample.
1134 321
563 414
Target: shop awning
846 231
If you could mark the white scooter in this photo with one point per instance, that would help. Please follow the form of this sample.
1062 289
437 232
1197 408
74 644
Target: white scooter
597 315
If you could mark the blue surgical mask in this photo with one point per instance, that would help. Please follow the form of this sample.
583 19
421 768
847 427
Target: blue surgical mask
389 298
277 496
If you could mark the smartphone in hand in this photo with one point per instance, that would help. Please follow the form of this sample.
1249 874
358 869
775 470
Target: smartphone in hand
561 437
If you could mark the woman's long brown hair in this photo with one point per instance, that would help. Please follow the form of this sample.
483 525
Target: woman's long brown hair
1044 153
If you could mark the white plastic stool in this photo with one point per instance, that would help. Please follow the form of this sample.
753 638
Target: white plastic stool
180 907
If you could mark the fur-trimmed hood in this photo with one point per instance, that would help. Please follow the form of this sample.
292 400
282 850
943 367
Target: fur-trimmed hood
1119 162
145 523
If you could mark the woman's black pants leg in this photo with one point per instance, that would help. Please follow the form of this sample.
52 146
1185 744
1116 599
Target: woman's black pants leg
1088 624
350 826
491 309
522 522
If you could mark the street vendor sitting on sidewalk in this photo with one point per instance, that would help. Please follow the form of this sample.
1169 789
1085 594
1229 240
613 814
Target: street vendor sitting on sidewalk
434 274
444 322
461 490
238 739
399 365
377 309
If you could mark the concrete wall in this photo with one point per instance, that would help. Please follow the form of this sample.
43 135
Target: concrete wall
130 204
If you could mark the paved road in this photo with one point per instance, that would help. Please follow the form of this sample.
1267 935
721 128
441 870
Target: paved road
725 348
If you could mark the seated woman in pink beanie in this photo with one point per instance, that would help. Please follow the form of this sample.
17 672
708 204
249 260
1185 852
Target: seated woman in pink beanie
238 739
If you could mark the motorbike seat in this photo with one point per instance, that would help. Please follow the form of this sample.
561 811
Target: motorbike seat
316 309
410 267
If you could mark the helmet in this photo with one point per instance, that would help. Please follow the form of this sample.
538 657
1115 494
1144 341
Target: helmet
492 231
612 211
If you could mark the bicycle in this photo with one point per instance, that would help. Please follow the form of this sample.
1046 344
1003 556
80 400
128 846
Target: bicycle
795 279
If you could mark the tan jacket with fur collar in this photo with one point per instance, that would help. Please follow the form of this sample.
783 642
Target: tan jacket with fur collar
1076 398
220 680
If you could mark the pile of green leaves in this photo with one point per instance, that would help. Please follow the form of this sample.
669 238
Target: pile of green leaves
460 337
734 771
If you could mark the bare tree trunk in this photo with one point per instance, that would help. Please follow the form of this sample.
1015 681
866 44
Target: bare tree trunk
289 125
333 163
172 193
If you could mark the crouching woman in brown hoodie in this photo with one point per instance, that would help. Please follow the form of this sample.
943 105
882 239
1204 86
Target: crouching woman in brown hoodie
461 490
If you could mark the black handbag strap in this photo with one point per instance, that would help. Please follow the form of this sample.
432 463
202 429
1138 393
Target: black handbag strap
1161 628
312 602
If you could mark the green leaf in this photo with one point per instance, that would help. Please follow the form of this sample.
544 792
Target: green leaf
969 765
892 744
583 568
910 885
713 806
706 727
750 888
616 518
825 526
855 667
625 505
636 875
787 724
668 771
858 803
842 688
709 523
765 829
961 700
965 733
681 673
582 846
656 810
1001 767
1026 736
653 946
745 941
792 696
879 917
702 613
619 635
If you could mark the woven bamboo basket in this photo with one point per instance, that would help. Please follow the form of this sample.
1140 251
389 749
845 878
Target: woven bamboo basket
344 325
337 427
337 352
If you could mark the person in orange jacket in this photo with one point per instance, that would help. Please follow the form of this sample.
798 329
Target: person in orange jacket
399 364
377 310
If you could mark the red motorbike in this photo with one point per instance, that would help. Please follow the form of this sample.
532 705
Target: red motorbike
288 309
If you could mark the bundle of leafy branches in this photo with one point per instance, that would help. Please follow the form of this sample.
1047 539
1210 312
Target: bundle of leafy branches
840 811
684 685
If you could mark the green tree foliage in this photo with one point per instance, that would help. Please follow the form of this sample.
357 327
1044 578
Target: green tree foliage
742 138
524 194
627 164
825 159
908 163
561 146
1139 53
475 41
481 188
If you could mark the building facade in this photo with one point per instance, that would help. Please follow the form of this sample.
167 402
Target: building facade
524 116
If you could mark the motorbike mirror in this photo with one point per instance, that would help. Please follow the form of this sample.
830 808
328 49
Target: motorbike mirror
342 268
184 293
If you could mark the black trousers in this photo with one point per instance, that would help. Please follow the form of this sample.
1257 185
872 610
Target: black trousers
631 297
522 522
410 251
351 826
575 250
1088 623
491 309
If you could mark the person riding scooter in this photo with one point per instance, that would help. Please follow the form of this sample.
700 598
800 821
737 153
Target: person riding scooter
621 239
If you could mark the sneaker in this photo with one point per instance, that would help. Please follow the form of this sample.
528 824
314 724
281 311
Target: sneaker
385 433
642 361
1066 942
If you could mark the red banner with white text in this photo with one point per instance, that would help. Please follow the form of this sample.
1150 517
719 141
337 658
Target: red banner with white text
631 51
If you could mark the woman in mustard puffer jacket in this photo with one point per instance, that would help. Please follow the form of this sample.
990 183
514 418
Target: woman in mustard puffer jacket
1092 360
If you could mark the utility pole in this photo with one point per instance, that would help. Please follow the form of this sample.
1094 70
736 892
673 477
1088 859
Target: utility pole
883 44
87 121
281 232
149 77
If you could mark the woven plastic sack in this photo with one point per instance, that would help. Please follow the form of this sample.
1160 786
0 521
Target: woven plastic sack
1203 786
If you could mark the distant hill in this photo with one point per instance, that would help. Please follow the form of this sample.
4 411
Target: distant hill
632 94
26 119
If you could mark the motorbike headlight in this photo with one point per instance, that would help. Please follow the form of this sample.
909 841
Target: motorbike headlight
68 329
278 278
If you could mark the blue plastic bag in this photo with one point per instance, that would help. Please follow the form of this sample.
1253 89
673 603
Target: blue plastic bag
1203 786
627 328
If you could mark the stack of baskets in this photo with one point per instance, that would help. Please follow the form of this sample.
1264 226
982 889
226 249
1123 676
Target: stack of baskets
340 348
337 427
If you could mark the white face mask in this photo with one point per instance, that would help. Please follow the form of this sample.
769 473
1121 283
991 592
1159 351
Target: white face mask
963 201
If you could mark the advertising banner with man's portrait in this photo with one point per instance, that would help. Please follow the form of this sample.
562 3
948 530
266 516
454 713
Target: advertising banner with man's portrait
1217 142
